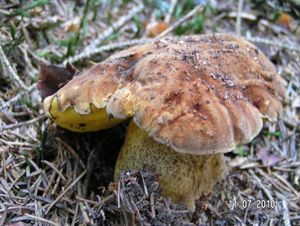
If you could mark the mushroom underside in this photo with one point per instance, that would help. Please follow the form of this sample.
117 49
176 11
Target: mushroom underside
96 119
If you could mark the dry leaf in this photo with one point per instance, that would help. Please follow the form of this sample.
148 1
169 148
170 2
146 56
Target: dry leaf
155 28
268 158
284 19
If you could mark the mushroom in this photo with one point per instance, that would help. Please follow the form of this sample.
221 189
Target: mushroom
194 99
79 105
191 99
53 77
182 177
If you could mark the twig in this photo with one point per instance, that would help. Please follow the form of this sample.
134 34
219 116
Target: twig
118 45
55 169
244 15
71 150
89 169
276 183
286 183
11 143
87 200
59 7
75 215
91 51
270 197
123 20
31 70
183 19
286 217
115 26
4 214
84 213
239 18
171 10
152 205
136 212
65 191
23 123
36 57
276 28
11 70
41 219
26 35
18 96
144 184
274 42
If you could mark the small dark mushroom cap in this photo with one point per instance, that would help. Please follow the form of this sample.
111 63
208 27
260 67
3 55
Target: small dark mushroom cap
53 77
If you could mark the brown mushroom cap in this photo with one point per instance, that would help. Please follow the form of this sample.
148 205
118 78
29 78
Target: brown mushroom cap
200 94
95 85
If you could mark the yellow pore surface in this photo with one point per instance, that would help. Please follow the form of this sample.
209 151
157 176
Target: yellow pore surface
69 119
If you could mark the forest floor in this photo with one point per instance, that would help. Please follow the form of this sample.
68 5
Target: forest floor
50 176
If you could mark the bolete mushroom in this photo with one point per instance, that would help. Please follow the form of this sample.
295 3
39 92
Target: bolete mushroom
191 99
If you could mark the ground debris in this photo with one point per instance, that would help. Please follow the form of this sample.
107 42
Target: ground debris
139 202
49 176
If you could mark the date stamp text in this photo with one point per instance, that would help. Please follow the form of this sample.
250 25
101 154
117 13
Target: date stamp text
248 203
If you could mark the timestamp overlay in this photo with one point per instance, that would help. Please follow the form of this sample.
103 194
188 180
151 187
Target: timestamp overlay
251 203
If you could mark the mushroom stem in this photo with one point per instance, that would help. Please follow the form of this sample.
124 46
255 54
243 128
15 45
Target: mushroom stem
182 177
